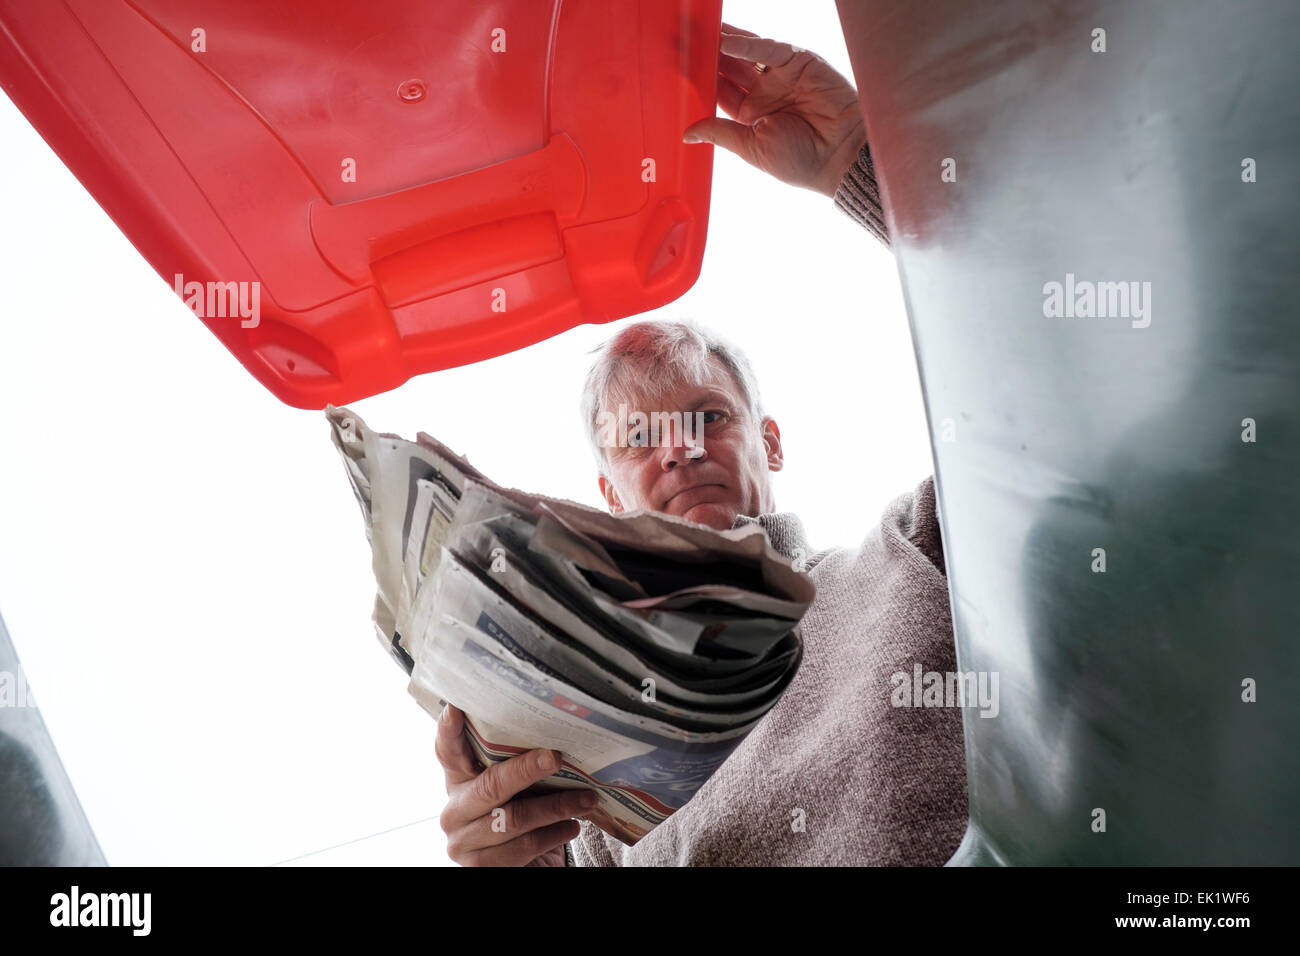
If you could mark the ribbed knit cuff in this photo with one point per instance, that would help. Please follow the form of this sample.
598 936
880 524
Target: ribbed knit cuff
859 196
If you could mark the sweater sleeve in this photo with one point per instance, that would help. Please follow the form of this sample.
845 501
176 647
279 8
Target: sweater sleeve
921 524
590 848
859 196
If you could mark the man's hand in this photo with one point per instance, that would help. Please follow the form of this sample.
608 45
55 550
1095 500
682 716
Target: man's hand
531 831
798 120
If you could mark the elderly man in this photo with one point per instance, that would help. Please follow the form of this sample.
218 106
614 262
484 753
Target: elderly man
836 772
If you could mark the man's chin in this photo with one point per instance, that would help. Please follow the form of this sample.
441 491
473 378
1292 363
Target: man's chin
717 515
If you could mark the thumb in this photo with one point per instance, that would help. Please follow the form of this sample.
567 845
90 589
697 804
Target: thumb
726 133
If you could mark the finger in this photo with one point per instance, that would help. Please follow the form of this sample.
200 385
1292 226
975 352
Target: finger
523 850
728 28
496 785
517 817
453 749
530 813
758 50
730 96
738 71
730 135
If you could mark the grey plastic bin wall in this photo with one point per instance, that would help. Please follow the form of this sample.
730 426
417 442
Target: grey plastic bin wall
1120 690
41 821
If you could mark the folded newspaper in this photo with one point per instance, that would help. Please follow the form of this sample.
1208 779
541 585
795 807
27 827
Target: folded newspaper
643 647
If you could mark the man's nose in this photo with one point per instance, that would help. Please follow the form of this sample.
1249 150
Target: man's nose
681 450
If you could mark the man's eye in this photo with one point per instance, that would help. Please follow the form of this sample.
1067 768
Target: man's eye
709 421
637 439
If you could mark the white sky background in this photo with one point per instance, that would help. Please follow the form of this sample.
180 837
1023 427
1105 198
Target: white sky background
182 563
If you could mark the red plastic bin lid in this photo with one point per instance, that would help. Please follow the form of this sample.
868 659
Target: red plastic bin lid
350 194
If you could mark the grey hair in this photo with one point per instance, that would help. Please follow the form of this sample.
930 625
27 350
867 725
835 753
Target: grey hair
664 356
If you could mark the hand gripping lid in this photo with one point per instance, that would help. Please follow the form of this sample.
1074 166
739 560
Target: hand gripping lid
349 194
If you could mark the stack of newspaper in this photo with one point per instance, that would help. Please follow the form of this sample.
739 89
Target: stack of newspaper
642 646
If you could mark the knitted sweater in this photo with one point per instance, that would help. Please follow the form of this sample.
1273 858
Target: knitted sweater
859 196
834 774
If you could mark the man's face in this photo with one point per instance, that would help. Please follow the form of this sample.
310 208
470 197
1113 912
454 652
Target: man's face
708 477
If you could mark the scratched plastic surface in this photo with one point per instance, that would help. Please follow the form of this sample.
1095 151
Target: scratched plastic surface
413 186
1056 436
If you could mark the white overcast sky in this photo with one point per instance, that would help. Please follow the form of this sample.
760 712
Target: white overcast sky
182 564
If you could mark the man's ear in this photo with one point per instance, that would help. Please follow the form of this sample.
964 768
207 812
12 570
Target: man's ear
772 445
610 495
